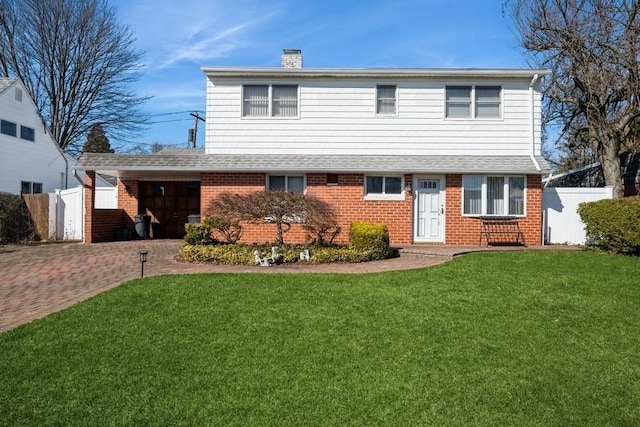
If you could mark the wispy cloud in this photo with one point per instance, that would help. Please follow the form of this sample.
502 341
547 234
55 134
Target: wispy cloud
198 50
196 31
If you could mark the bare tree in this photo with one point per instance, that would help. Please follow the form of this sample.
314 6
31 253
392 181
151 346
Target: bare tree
592 48
77 62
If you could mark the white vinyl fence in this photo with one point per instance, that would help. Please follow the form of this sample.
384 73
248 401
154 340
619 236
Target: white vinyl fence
562 224
66 210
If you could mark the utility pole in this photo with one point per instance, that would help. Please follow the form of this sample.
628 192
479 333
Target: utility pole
193 133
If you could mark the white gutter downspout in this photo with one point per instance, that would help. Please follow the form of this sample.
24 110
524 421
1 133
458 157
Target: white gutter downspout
533 123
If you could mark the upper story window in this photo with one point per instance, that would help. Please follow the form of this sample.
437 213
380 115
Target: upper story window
293 183
27 133
8 128
270 101
493 195
465 102
386 100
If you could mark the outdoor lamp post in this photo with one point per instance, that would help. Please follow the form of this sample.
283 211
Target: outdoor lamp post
143 259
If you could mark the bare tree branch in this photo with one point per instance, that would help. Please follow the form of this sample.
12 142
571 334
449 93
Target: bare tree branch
78 64
592 48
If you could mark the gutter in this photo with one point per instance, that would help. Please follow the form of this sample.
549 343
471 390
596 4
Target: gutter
533 122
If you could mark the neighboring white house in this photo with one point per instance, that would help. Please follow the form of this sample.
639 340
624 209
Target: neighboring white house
30 160
428 152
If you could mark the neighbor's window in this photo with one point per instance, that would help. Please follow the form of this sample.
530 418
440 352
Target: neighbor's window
293 183
8 128
28 187
473 101
386 99
493 195
270 101
27 133
383 185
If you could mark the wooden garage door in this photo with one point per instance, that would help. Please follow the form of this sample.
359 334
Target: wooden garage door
169 204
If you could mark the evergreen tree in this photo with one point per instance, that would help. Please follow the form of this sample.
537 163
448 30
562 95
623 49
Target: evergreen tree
97 141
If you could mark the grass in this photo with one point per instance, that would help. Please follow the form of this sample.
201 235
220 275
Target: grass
522 338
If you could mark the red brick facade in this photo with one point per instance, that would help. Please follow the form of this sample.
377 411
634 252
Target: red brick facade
347 199
463 230
100 225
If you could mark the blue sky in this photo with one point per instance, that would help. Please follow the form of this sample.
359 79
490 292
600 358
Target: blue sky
178 37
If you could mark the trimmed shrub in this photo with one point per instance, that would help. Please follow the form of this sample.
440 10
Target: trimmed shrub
203 233
217 254
328 254
198 234
613 225
289 254
364 236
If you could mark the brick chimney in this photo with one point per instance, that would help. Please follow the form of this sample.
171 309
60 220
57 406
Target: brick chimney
291 58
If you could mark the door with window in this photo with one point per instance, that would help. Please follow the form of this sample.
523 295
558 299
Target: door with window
429 209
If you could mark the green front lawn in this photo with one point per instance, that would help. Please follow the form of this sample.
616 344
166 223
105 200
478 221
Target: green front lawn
520 338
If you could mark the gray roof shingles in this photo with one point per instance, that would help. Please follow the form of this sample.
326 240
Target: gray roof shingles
196 160
5 82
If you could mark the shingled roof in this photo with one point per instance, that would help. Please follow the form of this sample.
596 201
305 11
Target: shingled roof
194 160
5 82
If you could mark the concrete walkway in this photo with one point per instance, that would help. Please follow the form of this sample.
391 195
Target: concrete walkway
36 280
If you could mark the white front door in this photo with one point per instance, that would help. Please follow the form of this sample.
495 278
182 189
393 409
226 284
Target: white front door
429 209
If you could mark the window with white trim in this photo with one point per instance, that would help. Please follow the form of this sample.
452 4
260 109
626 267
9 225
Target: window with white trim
493 195
383 186
481 102
270 101
293 183
386 100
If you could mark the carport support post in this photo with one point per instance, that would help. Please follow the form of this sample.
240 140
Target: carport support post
89 197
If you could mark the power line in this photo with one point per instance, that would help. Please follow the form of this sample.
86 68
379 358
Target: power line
168 121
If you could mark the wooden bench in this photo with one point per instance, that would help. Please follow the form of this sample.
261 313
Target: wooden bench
505 231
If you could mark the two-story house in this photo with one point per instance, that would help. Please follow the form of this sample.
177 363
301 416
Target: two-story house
425 151
30 160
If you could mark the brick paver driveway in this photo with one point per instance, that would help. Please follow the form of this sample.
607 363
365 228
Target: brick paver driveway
36 280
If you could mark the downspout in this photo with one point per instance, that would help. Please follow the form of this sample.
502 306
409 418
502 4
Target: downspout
533 122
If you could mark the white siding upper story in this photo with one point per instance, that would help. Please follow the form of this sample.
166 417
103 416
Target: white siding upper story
338 116
30 158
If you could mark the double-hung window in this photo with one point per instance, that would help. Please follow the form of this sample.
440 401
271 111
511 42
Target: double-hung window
493 195
380 186
294 183
466 102
386 100
270 101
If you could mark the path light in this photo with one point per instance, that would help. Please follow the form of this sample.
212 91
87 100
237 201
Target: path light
143 259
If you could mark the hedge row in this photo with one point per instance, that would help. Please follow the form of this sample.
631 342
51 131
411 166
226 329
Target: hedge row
613 225
367 242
